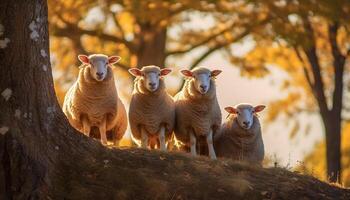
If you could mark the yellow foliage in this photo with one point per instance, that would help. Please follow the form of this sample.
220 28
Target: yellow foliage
287 104
281 56
315 163
128 22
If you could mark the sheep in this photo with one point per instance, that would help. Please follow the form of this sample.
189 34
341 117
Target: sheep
240 136
197 109
152 109
93 100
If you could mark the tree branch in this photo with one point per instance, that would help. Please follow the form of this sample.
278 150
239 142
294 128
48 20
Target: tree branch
172 12
305 70
217 47
338 65
216 35
311 54
72 30
204 41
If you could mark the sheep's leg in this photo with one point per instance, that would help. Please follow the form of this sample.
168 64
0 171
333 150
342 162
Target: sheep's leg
86 126
162 138
193 143
116 143
144 138
102 129
212 154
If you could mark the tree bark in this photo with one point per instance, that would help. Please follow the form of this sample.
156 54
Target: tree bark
28 111
333 152
43 157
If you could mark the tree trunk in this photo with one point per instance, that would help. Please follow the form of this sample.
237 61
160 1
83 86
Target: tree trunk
28 102
331 118
151 48
42 157
334 135
333 151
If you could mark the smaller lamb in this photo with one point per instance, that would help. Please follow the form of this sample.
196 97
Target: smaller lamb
198 113
240 136
93 100
152 109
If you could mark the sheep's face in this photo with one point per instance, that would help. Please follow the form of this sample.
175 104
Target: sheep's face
98 64
245 114
201 78
151 80
150 76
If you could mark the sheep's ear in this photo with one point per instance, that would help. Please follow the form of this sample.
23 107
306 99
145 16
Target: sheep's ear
165 71
231 110
216 72
259 108
187 73
135 72
113 59
84 59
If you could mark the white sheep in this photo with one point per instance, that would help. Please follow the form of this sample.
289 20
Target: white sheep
93 100
152 109
197 109
240 136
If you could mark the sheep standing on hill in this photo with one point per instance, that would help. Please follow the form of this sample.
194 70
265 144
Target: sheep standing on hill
93 100
152 109
197 109
240 136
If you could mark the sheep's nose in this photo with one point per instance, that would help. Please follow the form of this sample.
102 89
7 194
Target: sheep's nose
203 87
152 84
99 74
246 123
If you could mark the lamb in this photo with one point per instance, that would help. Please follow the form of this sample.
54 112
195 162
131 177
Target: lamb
240 136
197 109
93 99
152 109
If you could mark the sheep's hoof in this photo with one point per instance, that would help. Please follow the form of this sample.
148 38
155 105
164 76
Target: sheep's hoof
116 143
213 158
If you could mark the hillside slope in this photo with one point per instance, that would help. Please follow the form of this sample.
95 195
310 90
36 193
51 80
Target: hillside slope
142 174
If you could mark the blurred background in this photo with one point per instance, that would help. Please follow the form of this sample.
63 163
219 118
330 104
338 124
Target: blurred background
289 55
